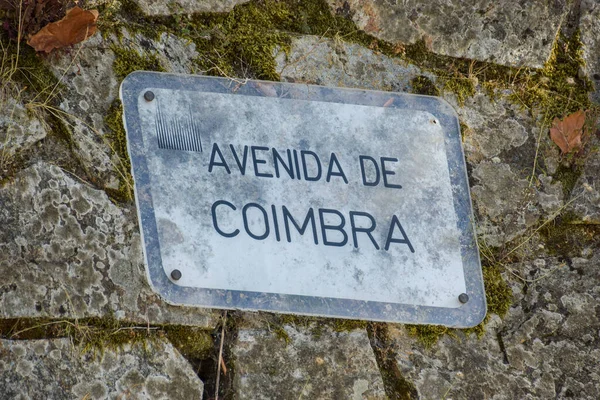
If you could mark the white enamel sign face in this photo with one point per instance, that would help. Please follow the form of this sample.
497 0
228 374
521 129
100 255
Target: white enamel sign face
303 199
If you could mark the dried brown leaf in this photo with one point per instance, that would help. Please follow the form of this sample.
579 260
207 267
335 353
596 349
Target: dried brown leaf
75 27
26 17
567 133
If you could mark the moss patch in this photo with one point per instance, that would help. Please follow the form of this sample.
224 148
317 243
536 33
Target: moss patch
498 296
568 174
423 85
92 335
128 60
241 43
566 237
27 69
95 335
192 342
428 335
315 325
557 89
118 136
397 387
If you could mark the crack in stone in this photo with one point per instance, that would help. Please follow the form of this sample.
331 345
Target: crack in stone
397 387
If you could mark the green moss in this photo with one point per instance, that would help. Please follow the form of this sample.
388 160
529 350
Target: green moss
118 136
192 342
397 387
23 66
497 292
281 333
568 175
95 335
462 87
499 299
241 42
128 60
30 329
31 72
315 325
498 296
566 236
423 85
347 325
428 335
557 89
91 335
457 75
464 130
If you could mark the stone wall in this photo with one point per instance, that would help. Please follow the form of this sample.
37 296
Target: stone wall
78 318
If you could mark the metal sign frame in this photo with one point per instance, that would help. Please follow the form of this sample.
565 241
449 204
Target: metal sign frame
470 313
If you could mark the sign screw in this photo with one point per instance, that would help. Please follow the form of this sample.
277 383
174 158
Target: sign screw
149 95
176 275
463 297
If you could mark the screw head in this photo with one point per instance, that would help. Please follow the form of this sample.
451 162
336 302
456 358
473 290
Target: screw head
176 274
463 298
149 96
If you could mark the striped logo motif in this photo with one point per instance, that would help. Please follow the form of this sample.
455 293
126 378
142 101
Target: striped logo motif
178 133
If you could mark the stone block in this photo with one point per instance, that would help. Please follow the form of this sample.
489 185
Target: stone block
504 32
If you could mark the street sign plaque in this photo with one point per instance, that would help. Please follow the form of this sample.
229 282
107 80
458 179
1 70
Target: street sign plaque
303 199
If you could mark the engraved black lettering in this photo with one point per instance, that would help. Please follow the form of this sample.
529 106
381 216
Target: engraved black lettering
241 165
247 226
257 161
391 239
325 227
297 163
368 230
385 172
213 210
217 152
363 173
289 168
275 224
303 154
310 217
333 161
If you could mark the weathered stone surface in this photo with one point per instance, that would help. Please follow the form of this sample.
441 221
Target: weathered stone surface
164 7
590 36
504 202
19 129
91 85
54 369
174 54
67 251
330 63
508 33
546 347
330 366
585 197
493 128
500 141
59 235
